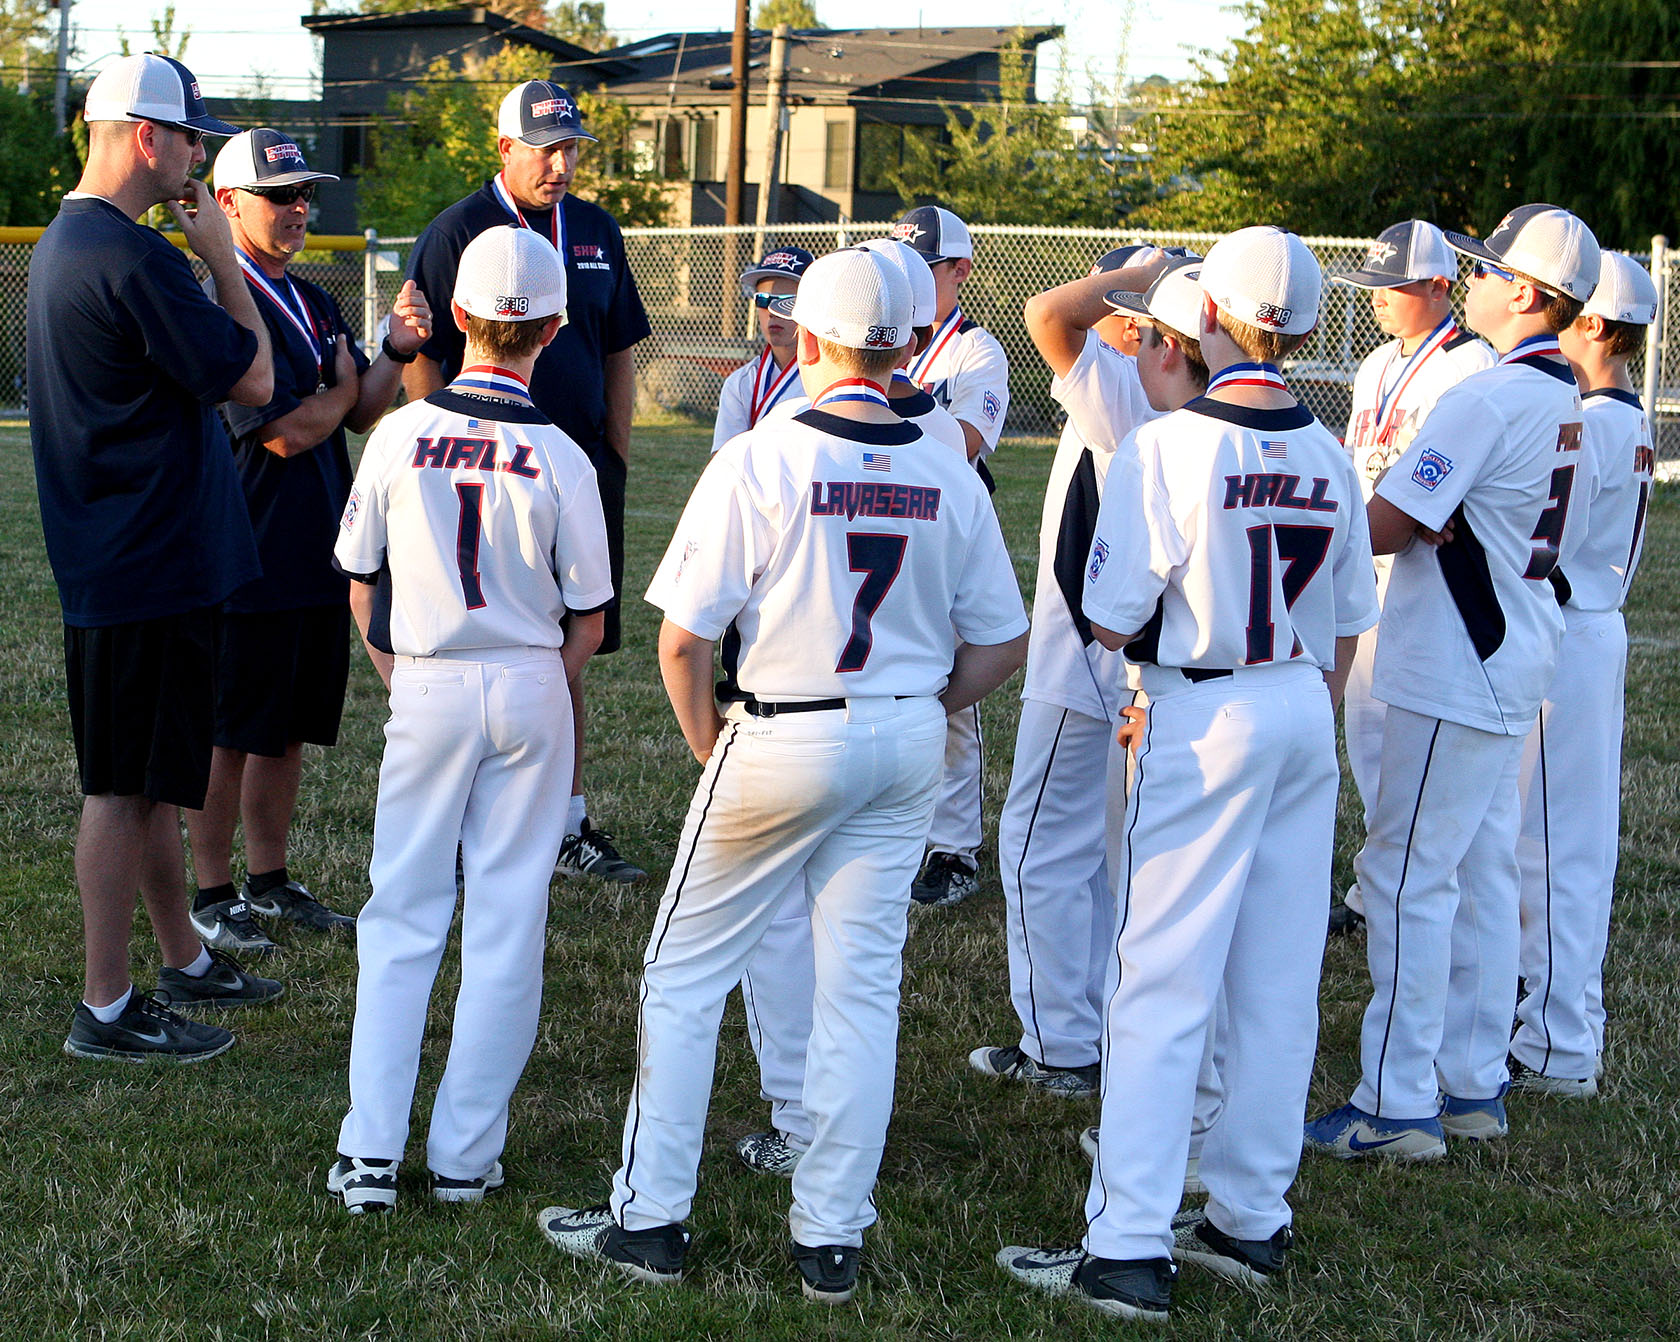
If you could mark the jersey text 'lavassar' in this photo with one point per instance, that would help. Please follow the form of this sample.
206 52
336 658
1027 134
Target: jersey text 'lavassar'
865 498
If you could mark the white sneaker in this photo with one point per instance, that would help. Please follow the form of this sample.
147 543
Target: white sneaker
364 1185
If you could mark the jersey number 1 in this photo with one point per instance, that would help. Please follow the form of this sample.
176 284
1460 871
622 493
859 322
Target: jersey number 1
1302 550
878 557
467 533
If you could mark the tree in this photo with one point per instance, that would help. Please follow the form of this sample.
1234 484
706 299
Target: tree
165 40
583 24
795 13
439 142
532 13
26 44
37 166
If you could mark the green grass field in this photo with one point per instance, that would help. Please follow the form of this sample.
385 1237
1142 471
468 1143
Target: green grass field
188 1203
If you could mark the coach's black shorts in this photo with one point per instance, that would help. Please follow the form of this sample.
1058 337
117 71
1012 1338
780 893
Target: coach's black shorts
610 473
280 678
142 697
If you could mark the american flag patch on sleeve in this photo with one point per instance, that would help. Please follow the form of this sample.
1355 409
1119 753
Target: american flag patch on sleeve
877 461
1274 449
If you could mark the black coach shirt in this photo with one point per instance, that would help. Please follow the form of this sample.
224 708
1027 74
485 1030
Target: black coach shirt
604 313
128 358
295 502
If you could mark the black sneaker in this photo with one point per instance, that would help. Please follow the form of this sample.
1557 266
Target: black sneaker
654 1256
768 1153
227 925
1345 920
147 1031
1127 1288
1011 1063
828 1272
295 904
591 853
1254 1262
945 879
224 984
364 1185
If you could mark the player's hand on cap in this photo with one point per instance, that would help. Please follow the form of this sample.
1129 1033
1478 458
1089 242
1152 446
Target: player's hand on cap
1133 720
202 223
411 319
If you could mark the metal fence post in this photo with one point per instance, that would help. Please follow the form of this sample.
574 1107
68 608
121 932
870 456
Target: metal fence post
1654 341
370 295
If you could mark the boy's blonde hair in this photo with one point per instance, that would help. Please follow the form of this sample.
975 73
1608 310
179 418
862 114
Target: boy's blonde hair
506 340
1261 346
871 363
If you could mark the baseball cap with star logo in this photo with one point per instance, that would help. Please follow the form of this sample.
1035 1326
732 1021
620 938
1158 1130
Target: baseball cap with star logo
151 88
934 232
1403 254
1544 242
777 263
540 113
260 158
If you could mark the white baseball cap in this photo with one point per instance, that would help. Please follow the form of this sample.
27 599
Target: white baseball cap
1266 277
1174 298
854 298
934 232
924 295
1625 293
540 113
254 159
1543 242
1403 254
151 88
511 274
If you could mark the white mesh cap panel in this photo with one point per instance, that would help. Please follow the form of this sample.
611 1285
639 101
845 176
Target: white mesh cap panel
1265 277
1625 293
925 298
511 275
857 299
1543 242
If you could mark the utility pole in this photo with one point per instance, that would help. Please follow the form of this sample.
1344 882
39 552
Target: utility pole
61 78
775 125
735 182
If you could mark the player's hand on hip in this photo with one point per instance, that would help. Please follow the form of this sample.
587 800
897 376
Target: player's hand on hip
202 223
1436 538
411 319
1133 721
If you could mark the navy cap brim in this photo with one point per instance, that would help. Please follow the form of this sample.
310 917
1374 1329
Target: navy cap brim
782 304
1469 246
1375 279
1123 300
208 124
293 179
547 139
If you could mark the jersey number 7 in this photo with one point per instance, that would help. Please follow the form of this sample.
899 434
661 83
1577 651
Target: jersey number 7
1302 550
879 558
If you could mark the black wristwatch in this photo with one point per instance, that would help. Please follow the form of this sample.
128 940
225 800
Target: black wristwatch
390 352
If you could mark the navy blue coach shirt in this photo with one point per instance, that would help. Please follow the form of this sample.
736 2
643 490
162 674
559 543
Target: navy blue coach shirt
128 358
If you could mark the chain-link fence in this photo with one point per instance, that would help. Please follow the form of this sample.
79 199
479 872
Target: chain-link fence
702 327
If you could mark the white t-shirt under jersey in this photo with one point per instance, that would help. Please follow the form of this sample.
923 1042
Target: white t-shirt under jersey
1465 635
1105 402
1617 435
1231 537
488 519
847 558
756 383
967 372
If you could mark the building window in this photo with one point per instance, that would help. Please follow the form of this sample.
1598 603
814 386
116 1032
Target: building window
703 160
357 140
836 170
881 151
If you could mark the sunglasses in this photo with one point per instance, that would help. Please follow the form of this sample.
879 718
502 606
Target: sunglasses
283 195
194 137
1482 269
764 301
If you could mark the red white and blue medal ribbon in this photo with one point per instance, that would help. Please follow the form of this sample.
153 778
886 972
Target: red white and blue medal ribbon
1247 375
851 389
1391 399
556 223
946 332
770 384
1536 346
488 377
296 311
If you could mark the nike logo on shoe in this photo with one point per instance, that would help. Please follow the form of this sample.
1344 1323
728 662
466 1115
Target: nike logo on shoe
1354 1144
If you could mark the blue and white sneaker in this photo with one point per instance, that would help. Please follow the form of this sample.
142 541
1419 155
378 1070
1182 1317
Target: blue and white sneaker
1474 1120
1350 1133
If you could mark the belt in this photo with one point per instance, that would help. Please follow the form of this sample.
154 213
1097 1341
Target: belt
1196 675
759 709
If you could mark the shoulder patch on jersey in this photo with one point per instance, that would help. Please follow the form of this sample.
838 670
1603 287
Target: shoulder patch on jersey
1099 557
990 405
1432 468
690 549
351 508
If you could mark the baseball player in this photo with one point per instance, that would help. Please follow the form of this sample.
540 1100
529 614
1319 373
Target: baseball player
1409 271
824 770
777 986
965 369
1058 900
1572 764
486 520
759 385
1465 652
1234 548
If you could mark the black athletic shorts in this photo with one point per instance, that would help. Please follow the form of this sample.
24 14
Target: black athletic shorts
280 678
142 697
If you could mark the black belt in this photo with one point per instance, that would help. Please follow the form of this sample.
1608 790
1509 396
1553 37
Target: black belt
759 709
1195 675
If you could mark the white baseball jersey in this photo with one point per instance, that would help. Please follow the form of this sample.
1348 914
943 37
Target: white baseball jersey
751 392
1105 402
1617 437
1393 394
1236 540
1470 629
921 410
796 538
491 521
966 371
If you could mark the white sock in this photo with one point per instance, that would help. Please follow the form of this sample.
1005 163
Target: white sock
201 966
106 1014
576 814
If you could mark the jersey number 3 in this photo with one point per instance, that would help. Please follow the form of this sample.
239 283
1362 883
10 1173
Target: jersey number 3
1302 550
1549 530
879 558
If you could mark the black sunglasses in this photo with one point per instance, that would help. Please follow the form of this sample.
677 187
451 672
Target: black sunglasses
283 195
194 136
765 300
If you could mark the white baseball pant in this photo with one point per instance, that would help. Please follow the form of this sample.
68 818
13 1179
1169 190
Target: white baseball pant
1571 784
1439 877
956 817
1225 887
478 751
841 797
1362 721
776 991
1058 901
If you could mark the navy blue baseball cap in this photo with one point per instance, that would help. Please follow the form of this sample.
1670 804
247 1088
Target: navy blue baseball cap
777 263
254 159
934 232
540 113
151 88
